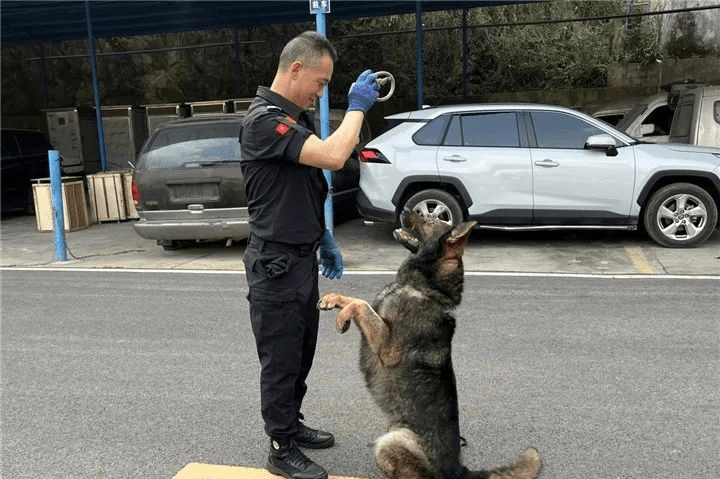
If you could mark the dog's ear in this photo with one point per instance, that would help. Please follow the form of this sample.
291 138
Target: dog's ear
407 239
457 239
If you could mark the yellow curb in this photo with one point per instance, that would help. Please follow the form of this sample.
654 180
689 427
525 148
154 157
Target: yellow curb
639 260
196 470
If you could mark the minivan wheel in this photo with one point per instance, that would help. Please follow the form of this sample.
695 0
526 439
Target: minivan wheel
175 244
681 215
436 204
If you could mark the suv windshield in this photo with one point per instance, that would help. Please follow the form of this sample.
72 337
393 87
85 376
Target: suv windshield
193 146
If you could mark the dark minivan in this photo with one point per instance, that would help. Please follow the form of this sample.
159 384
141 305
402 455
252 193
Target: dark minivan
187 183
24 158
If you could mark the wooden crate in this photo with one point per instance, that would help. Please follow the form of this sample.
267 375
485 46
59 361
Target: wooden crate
74 204
107 196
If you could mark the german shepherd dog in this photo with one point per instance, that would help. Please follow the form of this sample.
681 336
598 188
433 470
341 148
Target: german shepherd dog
406 359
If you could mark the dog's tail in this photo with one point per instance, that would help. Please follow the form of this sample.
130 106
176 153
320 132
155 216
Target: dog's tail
400 455
527 467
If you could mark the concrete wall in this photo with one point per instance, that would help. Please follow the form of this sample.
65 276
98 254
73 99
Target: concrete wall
702 70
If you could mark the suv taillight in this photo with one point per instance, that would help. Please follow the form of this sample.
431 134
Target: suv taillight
135 193
368 155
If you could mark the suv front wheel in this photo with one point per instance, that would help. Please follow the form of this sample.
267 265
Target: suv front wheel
680 215
436 204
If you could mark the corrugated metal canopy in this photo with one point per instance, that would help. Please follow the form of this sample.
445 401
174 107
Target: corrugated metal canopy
50 21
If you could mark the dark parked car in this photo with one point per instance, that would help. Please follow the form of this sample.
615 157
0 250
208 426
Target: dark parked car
187 183
24 157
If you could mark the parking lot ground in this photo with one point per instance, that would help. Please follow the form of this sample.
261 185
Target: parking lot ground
370 247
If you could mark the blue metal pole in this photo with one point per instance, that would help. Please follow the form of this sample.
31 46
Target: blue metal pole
96 89
420 76
465 54
325 132
57 206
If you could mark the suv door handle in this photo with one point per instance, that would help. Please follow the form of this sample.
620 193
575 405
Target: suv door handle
455 158
547 163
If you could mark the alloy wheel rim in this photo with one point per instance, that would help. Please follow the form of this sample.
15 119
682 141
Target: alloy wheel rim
681 217
434 210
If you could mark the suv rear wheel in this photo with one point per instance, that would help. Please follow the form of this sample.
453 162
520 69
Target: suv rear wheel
436 204
680 215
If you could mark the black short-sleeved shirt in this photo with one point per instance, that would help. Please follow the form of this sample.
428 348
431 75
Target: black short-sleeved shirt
285 199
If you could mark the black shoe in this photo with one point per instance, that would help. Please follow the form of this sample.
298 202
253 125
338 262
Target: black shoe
286 459
312 438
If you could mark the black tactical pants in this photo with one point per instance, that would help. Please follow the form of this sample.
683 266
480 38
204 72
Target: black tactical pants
283 283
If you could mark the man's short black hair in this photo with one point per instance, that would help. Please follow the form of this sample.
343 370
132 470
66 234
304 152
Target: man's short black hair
308 47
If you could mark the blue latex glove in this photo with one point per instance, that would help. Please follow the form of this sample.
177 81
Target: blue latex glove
363 92
331 262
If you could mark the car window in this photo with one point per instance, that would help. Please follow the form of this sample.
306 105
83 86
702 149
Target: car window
193 153
190 132
681 121
32 143
9 145
193 145
660 117
559 130
611 119
432 133
494 129
636 111
453 137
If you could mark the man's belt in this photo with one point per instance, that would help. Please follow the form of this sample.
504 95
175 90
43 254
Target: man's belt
298 249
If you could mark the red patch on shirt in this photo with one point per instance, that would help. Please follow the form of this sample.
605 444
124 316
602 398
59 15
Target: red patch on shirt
281 129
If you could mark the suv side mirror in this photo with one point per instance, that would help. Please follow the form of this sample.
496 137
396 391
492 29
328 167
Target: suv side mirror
605 143
647 129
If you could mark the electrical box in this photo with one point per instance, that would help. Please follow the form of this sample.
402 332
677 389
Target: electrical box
200 108
73 132
162 113
125 129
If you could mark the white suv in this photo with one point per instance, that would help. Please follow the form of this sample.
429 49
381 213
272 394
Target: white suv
529 166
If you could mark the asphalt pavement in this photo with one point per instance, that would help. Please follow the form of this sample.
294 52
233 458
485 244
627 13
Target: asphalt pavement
141 374
118 374
369 247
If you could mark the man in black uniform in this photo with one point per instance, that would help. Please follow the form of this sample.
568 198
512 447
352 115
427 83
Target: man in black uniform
282 162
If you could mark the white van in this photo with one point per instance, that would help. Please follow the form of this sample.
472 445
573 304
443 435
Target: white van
649 120
696 120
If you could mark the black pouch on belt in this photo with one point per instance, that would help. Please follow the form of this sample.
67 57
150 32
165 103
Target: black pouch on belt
275 263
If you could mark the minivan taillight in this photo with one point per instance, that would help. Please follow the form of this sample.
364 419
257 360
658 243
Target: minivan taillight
135 193
369 155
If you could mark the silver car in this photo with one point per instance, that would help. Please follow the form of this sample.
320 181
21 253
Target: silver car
530 166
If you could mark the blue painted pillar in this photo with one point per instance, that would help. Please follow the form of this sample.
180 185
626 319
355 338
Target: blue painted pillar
59 246
465 54
419 74
96 89
325 132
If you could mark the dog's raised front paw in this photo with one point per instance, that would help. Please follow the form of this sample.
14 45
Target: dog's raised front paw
328 302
